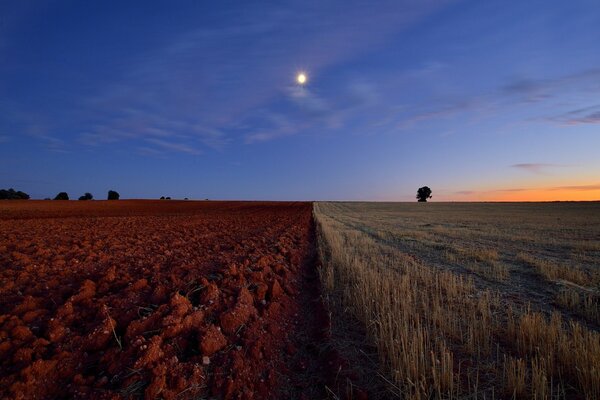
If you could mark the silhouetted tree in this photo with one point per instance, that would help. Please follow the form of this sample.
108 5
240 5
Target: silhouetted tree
62 196
112 195
162 197
87 196
423 194
168 198
12 194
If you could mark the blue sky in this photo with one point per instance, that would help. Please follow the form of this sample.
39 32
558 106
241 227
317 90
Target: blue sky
476 99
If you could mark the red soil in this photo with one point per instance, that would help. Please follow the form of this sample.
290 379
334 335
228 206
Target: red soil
160 299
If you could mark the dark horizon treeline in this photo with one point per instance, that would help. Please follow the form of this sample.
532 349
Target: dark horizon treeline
12 194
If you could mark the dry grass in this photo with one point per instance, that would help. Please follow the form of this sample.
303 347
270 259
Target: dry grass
441 333
553 272
515 377
484 262
583 303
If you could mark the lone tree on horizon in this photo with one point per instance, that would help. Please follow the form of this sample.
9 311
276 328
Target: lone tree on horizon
112 195
423 194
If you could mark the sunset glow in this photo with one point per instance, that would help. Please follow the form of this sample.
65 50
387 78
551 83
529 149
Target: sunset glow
542 194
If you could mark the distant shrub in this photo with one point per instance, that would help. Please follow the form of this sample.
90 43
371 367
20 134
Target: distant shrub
168 198
186 198
12 194
112 195
86 196
62 196
423 194
162 197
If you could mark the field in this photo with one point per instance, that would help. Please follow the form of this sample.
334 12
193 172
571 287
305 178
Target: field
160 299
255 300
470 300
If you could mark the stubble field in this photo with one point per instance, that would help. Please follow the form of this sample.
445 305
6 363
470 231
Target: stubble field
470 300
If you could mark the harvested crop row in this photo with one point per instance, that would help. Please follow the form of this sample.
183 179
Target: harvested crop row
158 299
441 333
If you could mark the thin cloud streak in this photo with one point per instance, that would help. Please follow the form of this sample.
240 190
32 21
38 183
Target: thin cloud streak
582 116
177 147
536 168
578 187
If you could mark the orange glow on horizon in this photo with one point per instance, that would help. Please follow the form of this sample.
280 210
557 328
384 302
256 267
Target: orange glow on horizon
540 195
581 192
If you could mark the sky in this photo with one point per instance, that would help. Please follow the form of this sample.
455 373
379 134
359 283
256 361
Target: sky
479 100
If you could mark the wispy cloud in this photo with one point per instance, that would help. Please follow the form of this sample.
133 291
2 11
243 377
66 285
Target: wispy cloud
527 90
136 125
173 146
536 168
50 142
151 152
308 101
444 111
53 143
480 192
304 109
578 187
585 115
274 126
465 192
518 92
532 90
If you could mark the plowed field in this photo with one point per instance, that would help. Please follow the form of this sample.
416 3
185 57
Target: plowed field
160 299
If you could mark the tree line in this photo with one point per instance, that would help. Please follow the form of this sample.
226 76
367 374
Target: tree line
12 194
112 195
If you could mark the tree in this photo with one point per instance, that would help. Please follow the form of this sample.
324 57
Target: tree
12 194
423 194
112 195
62 196
162 197
87 196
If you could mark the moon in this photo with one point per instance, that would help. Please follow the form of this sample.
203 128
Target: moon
301 78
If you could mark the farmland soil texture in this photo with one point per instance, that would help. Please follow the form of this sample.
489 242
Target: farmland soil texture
161 299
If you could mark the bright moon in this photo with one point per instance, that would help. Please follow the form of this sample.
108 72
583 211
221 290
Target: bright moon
301 78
